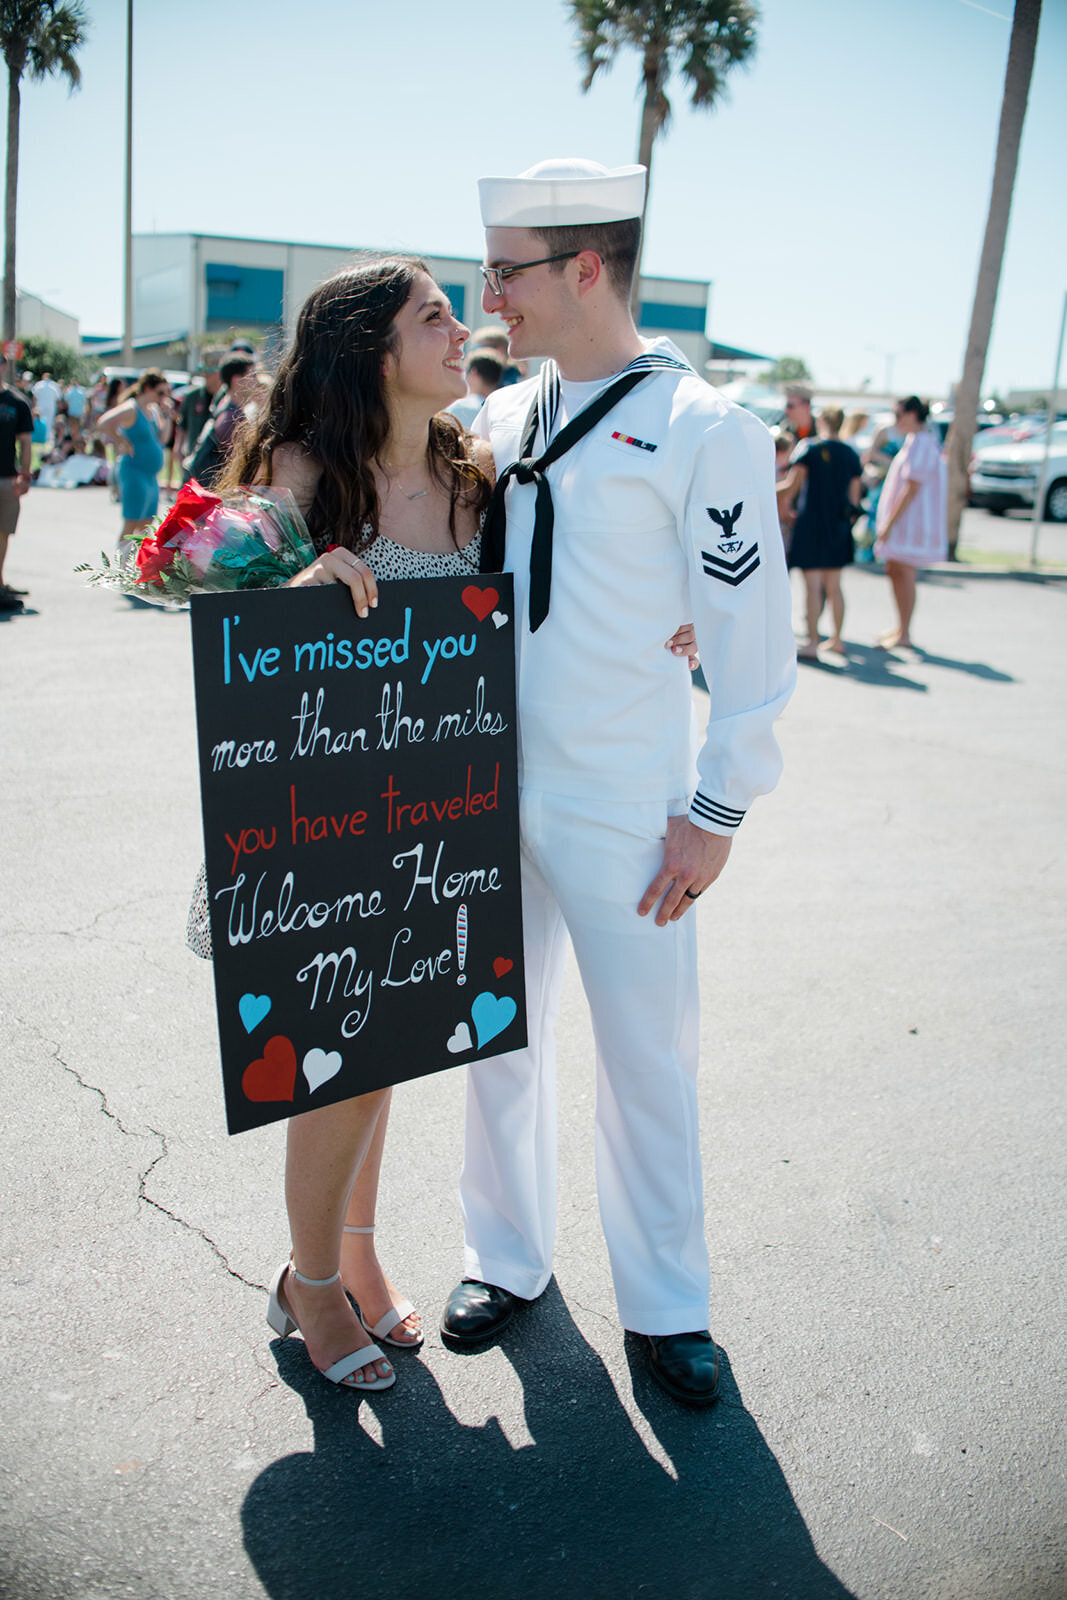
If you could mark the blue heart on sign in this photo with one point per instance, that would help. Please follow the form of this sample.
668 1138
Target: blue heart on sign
491 1016
253 1008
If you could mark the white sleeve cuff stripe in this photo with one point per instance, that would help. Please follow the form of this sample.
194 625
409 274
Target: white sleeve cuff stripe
712 811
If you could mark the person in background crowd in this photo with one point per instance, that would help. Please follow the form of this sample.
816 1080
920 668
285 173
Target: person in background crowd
195 408
74 398
799 417
96 404
240 384
854 423
800 422
824 478
784 445
169 441
46 397
64 446
134 427
16 434
243 347
912 523
485 373
113 389
494 338
877 459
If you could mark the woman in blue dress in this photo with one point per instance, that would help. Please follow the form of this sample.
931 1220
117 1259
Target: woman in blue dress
134 428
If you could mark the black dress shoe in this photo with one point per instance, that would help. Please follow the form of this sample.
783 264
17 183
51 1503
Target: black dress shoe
477 1311
686 1365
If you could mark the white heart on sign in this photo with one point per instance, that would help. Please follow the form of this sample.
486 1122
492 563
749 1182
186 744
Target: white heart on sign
319 1067
499 618
460 1040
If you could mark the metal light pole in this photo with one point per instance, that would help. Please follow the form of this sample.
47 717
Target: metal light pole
1053 407
889 356
127 322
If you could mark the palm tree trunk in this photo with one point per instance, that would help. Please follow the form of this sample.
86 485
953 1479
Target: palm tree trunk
1012 113
11 199
650 126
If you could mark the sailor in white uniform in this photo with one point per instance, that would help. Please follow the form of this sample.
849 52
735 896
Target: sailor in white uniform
630 493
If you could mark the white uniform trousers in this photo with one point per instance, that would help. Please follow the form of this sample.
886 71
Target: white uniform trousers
585 866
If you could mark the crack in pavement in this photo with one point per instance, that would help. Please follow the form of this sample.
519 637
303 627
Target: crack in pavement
105 1105
144 1198
86 929
592 1312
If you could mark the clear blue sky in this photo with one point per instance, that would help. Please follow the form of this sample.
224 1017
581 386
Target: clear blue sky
836 201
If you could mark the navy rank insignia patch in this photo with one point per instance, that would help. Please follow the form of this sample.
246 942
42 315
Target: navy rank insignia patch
639 444
726 520
743 565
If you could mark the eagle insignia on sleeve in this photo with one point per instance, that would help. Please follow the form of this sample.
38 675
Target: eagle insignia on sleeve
742 567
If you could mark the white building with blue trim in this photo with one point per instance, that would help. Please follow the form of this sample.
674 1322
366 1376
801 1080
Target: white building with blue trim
195 287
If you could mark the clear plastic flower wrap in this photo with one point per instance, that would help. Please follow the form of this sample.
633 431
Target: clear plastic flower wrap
250 538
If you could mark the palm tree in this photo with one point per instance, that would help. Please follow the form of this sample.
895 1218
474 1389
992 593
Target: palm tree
1021 52
701 39
38 38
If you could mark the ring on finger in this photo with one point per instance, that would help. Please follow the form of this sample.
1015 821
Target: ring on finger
689 895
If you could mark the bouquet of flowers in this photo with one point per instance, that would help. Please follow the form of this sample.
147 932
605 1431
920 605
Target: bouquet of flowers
252 538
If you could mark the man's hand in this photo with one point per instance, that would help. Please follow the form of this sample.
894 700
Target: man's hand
692 859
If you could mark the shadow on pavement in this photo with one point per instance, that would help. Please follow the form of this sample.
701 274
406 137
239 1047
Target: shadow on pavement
959 573
441 1506
975 669
868 664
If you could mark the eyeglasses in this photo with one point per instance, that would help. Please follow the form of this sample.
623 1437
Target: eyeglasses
496 277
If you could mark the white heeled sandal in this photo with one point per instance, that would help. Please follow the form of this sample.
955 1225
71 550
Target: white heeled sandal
281 1320
392 1319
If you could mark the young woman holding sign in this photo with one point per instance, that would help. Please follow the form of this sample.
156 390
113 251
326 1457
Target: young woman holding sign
353 429
390 487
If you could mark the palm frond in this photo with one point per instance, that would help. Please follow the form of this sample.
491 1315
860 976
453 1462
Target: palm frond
41 37
701 40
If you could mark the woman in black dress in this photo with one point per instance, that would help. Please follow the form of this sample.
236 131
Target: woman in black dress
825 478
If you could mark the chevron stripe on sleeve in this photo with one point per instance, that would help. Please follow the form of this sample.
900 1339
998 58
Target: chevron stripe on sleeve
731 572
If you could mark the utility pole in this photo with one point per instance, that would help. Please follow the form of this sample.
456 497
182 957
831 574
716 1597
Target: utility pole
127 321
1053 407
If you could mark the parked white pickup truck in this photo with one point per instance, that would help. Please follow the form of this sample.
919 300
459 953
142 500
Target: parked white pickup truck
1005 475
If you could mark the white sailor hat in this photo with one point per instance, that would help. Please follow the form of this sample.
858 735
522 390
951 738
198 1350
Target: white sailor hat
562 192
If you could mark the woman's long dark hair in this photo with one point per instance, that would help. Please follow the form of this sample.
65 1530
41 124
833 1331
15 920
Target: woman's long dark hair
151 378
329 398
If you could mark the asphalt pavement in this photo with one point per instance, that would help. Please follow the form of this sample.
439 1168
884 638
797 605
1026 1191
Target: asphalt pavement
882 1112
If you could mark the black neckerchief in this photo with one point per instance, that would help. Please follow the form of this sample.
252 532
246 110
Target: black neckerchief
527 469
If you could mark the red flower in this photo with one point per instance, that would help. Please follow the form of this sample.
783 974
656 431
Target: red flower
190 506
156 553
152 561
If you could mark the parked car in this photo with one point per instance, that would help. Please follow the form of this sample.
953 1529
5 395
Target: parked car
1004 476
1013 430
941 421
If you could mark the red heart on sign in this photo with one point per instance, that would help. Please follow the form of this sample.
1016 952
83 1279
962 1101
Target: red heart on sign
273 1076
502 965
480 601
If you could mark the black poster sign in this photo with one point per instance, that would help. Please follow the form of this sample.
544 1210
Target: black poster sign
358 779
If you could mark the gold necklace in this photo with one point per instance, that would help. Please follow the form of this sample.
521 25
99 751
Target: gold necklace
418 494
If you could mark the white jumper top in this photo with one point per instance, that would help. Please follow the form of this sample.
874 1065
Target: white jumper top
665 511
